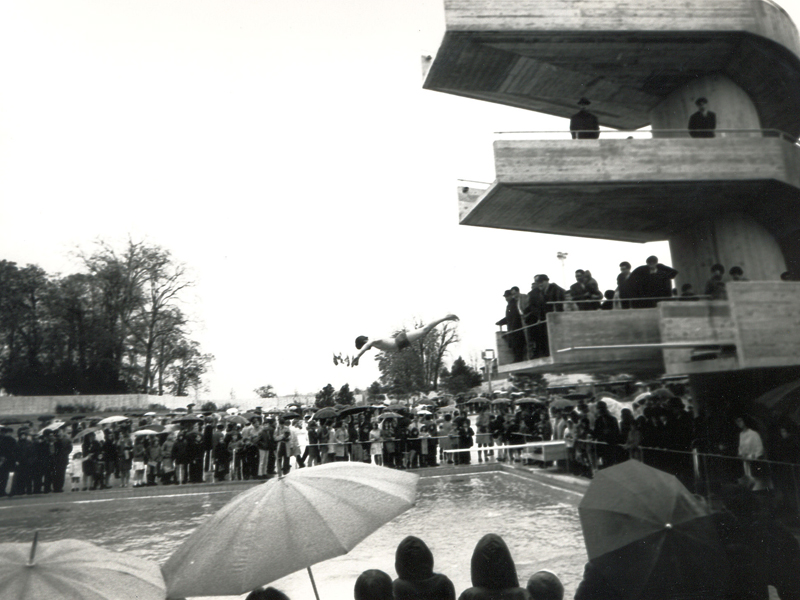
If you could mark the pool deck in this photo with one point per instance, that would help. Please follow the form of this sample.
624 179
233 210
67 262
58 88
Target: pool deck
548 476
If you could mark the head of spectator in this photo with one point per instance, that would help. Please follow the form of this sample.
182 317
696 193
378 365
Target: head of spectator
579 275
492 569
269 593
515 291
608 294
788 276
373 584
544 585
717 271
652 263
624 267
702 104
543 281
736 273
416 579
687 290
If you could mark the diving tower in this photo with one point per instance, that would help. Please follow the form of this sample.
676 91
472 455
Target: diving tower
733 198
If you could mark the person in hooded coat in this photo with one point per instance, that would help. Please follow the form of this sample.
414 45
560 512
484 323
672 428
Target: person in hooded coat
373 584
494 576
416 579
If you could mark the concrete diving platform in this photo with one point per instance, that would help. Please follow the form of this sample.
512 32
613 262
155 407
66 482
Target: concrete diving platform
543 55
758 326
637 190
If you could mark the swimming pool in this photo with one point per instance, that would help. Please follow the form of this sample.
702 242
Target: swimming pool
538 522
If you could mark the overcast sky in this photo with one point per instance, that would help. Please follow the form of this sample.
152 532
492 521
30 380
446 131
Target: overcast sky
286 152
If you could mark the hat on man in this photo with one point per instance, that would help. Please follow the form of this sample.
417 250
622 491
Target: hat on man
701 100
508 293
543 277
584 102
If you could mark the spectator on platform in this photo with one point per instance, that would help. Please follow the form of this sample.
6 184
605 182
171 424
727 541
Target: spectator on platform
514 336
715 286
751 448
584 125
623 291
416 579
544 298
651 283
608 300
269 593
737 274
687 293
63 449
493 572
584 290
702 123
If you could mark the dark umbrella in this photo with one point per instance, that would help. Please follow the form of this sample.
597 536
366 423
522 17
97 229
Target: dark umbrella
648 536
577 396
528 401
84 432
501 401
389 415
397 407
325 413
352 410
189 419
77 417
560 402
290 415
783 401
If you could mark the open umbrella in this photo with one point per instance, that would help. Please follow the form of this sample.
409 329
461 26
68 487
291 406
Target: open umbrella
76 570
562 403
448 408
84 432
142 432
325 413
783 401
528 400
501 401
238 420
389 415
189 419
53 426
232 411
275 528
114 419
351 410
647 534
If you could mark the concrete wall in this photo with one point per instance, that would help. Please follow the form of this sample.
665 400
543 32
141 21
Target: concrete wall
25 405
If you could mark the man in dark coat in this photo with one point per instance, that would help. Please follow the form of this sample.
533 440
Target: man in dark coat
583 125
544 297
26 456
515 337
63 449
652 280
702 123
8 450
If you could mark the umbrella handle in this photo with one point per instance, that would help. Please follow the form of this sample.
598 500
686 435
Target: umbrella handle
33 548
313 585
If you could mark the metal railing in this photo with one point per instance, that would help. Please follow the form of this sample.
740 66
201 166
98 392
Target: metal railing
621 134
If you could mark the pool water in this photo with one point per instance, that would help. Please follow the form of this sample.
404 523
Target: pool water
538 522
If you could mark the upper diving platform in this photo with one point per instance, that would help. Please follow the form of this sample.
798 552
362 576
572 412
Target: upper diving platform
543 55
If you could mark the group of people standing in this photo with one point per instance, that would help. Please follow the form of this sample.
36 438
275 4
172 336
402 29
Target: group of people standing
526 314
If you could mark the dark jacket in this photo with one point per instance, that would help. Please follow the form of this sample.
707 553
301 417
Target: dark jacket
414 565
494 576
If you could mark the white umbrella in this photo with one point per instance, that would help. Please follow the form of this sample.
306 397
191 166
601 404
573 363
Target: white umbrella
76 570
53 426
144 432
286 524
114 419
150 414
232 410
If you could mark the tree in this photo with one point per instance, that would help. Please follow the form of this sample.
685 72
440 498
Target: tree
374 390
416 369
345 396
325 397
460 378
188 367
265 391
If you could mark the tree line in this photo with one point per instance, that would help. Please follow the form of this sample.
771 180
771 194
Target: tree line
115 327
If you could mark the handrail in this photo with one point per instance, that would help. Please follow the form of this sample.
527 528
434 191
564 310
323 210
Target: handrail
649 133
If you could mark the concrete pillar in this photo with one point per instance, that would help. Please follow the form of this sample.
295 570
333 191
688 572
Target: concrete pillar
731 104
733 238
729 239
